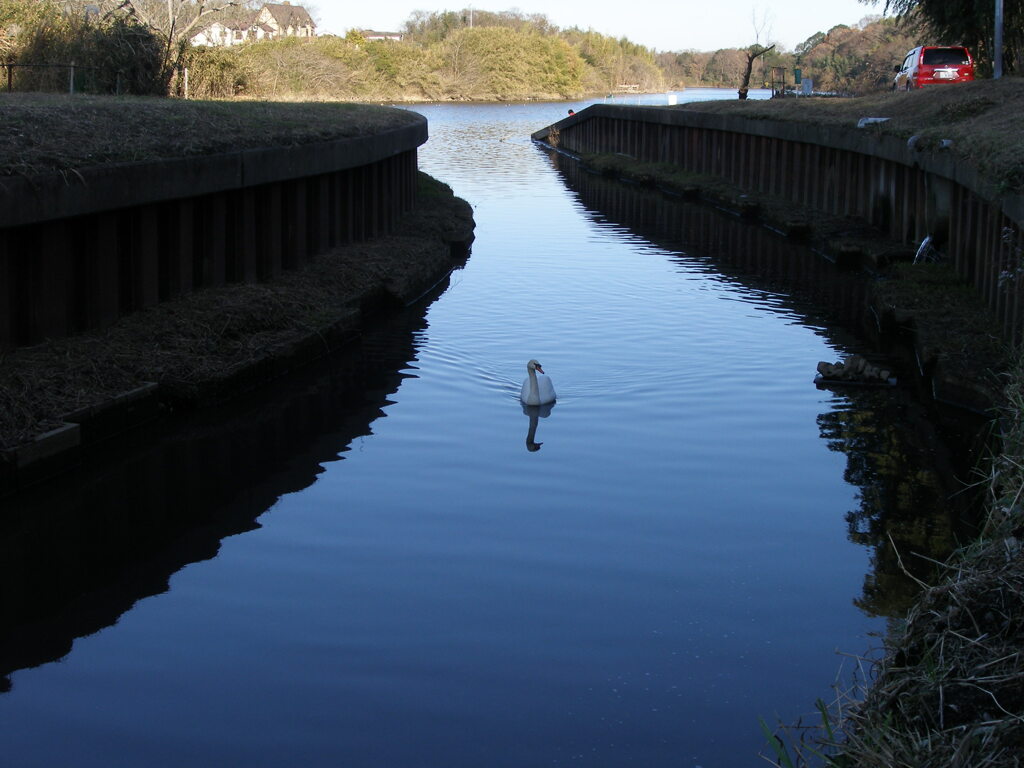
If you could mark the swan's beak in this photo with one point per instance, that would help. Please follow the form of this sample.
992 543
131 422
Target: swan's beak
537 366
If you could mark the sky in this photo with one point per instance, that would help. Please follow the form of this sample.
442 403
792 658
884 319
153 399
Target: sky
664 25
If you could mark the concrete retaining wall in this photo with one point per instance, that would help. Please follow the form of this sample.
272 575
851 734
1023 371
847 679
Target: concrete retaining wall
79 250
859 172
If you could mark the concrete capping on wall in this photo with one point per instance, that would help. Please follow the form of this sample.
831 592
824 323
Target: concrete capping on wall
91 190
868 141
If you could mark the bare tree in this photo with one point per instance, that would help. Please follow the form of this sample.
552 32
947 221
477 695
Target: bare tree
755 51
174 20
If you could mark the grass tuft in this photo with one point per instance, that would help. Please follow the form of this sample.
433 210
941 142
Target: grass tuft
86 131
981 118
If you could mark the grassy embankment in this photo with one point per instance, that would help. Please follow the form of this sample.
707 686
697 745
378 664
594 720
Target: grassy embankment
192 344
949 689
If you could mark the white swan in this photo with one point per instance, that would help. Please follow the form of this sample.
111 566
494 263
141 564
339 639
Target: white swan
537 390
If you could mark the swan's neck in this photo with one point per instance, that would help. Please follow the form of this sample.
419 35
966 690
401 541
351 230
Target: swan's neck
533 382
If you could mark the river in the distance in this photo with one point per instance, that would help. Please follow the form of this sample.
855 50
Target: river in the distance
697 534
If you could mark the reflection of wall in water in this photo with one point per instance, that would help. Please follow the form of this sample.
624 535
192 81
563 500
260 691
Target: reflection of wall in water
910 480
913 504
74 558
738 250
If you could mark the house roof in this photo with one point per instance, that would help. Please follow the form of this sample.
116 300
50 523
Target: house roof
239 19
288 15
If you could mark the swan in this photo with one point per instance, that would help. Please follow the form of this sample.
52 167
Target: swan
537 390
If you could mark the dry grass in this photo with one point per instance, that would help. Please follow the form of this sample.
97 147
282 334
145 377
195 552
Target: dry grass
948 689
982 118
43 133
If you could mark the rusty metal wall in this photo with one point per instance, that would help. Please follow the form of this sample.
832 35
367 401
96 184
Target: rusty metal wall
68 275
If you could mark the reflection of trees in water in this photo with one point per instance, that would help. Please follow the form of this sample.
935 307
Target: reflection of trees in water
909 506
907 487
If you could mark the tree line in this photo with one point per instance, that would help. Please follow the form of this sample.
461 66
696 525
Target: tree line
442 56
468 54
849 59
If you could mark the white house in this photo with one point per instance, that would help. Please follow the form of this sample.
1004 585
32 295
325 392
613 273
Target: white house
273 21
287 20
224 32
369 34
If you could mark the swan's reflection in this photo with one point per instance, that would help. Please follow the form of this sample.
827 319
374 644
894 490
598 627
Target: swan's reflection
535 412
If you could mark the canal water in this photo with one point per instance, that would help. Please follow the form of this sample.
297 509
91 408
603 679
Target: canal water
388 561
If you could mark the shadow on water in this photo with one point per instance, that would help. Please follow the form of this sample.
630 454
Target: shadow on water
911 459
77 554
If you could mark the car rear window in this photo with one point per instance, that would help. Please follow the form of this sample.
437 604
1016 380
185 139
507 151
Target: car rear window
937 57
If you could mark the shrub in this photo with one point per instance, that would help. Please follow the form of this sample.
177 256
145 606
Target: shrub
113 55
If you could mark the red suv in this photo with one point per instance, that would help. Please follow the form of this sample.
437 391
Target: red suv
932 65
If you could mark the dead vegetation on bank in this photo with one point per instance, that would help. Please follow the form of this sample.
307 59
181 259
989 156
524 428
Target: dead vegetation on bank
951 692
948 691
46 133
191 343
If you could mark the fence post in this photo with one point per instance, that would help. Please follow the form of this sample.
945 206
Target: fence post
186 82
117 84
10 73
71 83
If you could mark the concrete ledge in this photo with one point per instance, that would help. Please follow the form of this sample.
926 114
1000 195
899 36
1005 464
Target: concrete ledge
49 454
120 413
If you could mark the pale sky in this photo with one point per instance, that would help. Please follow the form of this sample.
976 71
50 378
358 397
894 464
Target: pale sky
665 25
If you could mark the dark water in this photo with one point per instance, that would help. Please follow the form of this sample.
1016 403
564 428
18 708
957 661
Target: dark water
699 532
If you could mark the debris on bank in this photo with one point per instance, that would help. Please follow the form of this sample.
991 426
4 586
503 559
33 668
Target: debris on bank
854 370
